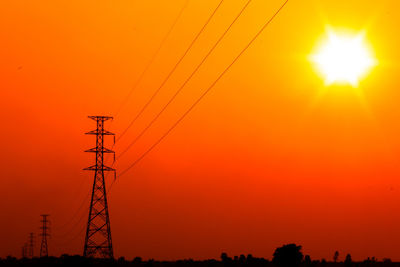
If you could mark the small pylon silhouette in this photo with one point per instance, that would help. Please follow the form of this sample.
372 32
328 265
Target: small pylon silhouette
44 252
98 241
24 250
31 245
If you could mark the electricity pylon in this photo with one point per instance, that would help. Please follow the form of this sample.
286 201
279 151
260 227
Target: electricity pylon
24 250
98 241
44 252
31 245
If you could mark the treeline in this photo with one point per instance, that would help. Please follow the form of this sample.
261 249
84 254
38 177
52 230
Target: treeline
286 256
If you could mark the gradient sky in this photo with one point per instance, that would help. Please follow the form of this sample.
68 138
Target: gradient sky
270 156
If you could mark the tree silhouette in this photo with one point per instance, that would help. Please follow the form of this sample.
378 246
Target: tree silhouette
387 260
347 261
307 260
336 256
288 256
242 258
225 258
137 260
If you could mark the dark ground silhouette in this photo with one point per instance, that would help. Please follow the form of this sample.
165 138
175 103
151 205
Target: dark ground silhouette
286 256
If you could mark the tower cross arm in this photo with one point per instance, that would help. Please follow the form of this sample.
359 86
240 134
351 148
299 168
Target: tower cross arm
103 118
101 132
95 168
104 150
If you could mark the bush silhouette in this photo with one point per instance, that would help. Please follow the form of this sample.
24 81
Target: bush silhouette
288 256
307 260
347 261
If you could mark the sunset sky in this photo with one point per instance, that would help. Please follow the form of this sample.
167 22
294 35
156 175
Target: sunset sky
272 155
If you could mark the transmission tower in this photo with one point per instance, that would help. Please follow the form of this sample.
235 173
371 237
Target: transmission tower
44 234
98 241
24 250
31 243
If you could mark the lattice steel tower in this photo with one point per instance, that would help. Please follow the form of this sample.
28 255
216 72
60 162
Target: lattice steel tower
24 250
98 241
44 252
31 243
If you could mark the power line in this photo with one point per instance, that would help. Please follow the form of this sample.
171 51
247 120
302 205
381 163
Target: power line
78 193
205 92
186 81
167 78
70 229
75 213
141 76
171 72
74 237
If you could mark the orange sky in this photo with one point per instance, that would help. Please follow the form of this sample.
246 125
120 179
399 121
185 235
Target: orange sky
270 156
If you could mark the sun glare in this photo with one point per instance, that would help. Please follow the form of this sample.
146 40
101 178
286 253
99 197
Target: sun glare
343 58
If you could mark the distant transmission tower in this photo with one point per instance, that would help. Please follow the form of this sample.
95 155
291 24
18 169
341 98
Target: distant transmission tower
31 243
98 241
24 250
44 234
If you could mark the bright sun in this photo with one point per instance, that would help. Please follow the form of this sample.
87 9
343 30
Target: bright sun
343 58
